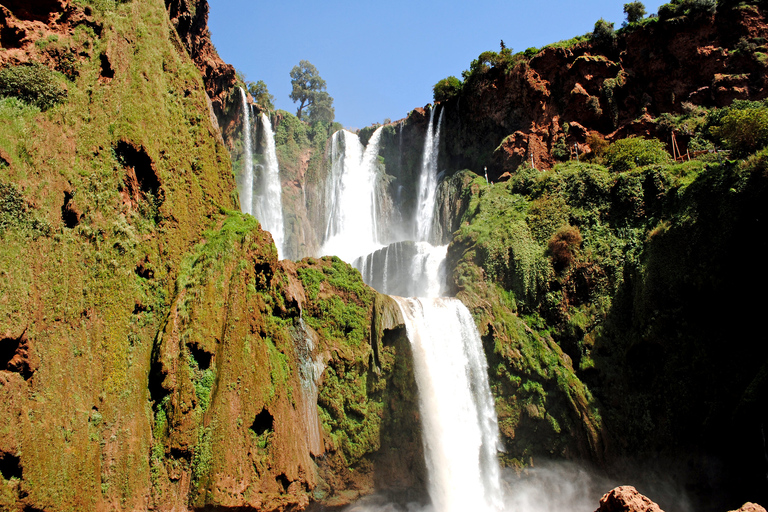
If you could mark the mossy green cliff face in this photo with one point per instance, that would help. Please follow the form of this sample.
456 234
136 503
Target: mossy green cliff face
153 352
614 308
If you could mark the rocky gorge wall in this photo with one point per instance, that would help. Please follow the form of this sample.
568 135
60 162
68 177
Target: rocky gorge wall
144 323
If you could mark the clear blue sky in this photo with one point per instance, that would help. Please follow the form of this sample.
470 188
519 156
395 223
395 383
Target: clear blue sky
381 59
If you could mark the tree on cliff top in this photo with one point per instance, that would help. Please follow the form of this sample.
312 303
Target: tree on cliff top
634 11
261 94
309 91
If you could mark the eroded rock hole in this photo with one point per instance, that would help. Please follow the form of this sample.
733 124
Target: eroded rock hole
264 422
390 337
155 384
201 356
14 355
69 212
10 466
141 176
283 481
106 72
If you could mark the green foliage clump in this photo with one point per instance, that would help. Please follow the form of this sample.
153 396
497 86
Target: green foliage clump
634 11
677 8
34 84
603 31
504 60
308 88
626 154
446 89
261 94
743 131
16 214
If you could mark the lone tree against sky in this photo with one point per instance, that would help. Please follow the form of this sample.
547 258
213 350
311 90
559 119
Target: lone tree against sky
309 91
634 11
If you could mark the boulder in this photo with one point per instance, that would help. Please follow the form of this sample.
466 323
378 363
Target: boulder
626 499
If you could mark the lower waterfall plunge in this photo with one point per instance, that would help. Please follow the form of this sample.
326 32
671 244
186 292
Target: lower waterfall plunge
458 418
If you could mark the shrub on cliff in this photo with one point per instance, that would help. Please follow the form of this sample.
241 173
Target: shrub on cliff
634 11
603 31
626 154
744 131
35 84
446 89
686 8
563 246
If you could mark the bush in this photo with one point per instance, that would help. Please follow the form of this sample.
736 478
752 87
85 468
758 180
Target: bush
34 84
634 11
744 131
563 246
446 89
603 31
626 154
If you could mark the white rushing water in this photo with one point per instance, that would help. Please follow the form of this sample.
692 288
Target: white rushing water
246 178
425 209
268 205
351 195
459 427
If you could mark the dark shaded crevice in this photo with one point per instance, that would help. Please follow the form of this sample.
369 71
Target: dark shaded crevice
201 356
14 355
106 72
263 422
69 213
283 481
157 391
10 466
141 175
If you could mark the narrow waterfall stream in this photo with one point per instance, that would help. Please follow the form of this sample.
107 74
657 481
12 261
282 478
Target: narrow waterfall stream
260 193
268 206
245 183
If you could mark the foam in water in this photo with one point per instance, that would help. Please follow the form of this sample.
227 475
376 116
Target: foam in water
460 431
246 179
408 269
268 206
352 226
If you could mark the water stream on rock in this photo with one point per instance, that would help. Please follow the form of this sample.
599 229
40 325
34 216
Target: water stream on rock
245 189
260 195
268 206
351 195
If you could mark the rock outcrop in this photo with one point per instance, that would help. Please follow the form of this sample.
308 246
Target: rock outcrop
519 113
626 499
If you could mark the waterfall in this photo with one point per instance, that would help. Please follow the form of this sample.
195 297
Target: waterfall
268 206
425 207
352 225
408 269
459 426
246 178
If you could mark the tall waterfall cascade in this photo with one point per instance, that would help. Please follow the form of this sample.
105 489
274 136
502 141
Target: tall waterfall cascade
260 195
425 212
245 188
268 206
351 197
459 425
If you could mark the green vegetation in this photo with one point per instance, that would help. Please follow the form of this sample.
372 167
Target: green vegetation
626 154
634 11
261 95
309 91
446 89
603 31
34 84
